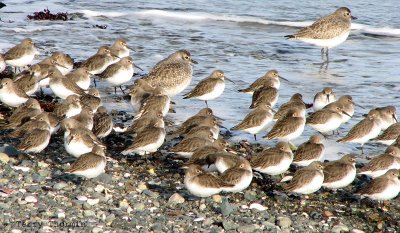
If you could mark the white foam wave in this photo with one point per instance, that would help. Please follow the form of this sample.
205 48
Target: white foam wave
201 16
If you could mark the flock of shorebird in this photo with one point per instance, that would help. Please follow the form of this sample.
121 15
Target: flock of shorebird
85 122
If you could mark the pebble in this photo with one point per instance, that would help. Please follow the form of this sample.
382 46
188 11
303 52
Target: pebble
150 193
61 215
139 207
257 206
226 207
124 204
250 195
249 228
202 206
217 198
97 230
60 185
229 225
82 198
99 188
142 186
93 201
284 222
4 158
340 229
327 213
176 198
88 213
31 199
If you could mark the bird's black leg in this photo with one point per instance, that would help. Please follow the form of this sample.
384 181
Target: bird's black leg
123 92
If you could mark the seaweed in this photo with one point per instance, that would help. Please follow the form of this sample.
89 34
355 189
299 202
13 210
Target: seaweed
46 15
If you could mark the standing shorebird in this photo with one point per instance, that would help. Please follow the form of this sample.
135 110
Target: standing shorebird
296 101
288 127
273 161
10 94
364 130
71 106
380 164
326 120
102 123
323 98
89 165
340 173
346 104
203 184
64 62
239 175
387 116
97 63
210 87
119 73
36 140
20 115
61 86
256 120
271 77
174 73
307 180
81 77
390 135
22 54
265 95
382 188
328 31
120 48
308 152
29 82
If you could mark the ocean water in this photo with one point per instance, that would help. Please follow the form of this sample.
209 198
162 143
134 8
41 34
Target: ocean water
242 38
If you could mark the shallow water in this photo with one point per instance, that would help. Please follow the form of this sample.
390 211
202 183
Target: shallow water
242 38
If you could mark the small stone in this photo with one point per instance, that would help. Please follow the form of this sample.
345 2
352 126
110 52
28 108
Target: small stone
357 231
99 188
124 204
97 230
61 215
202 206
31 199
150 193
42 164
229 225
60 185
176 199
37 178
139 207
284 222
110 218
82 198
94 201
250 195
340 229
248 228
226 207
4 158
142 186
257 206
16 231
374 217
327 214
88 213
217 198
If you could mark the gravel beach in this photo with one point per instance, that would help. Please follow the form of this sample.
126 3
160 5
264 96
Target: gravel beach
135 195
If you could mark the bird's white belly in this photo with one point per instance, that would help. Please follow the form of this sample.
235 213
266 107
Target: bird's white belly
199 190
372 134
242 185
76 148
390 192
216 92
332 124
276 169
327 43
348 179
60 90
11 99
121 77
312 186
22 61
92 172
256 129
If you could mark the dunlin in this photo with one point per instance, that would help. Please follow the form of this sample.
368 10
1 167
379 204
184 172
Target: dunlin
256 120
22 114
139 94
54 122
390 135
81 77
85 117
61 86
147 141
157 102
89 165
308 152
340 173
203 184
10 94
29 83
143 84
196 120
71 106
120 48
327 119
97 63
364 130
296 101
36 140
91 99
141 123
323 98
271 78
102 123
223 160
288 127
22 54
174 73
209 88
214 129
119 73
307 180
201 155
63 62
264 95
346 104
186 147
41 121
327 32
387 116
382 188
273 161
240 176
380 164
